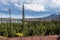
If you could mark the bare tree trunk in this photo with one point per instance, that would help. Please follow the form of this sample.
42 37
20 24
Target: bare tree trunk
10 16
23 17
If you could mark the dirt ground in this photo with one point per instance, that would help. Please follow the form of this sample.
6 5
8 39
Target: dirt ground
54 37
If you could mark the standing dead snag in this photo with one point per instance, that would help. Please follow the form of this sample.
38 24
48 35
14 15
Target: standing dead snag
10 16
23 17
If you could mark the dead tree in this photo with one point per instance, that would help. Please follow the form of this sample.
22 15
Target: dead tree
10 16
23 17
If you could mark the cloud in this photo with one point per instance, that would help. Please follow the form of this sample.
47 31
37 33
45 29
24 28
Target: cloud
17 5
56 2
4 1
16 16
14 1
41 2
2 15
34 7
53 3
42 5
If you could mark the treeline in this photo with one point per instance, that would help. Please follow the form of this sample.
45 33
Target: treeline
33 28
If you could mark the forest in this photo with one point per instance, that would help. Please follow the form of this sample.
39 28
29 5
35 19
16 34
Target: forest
31 28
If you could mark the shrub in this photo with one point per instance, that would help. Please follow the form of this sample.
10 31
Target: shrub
3 37
19 34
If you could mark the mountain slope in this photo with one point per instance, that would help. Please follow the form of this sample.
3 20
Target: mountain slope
52 17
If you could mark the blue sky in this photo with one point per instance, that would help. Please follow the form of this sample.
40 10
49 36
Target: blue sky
33 8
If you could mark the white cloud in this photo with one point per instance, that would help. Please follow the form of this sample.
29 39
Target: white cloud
4 1
14 1
37 1
53 3
17 5
27 16
41 5
2 15
56 2
34 7
16 16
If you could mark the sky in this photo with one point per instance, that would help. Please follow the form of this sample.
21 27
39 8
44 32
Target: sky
33 8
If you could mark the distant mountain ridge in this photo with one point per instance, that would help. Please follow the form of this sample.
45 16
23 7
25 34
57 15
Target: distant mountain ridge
52 17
